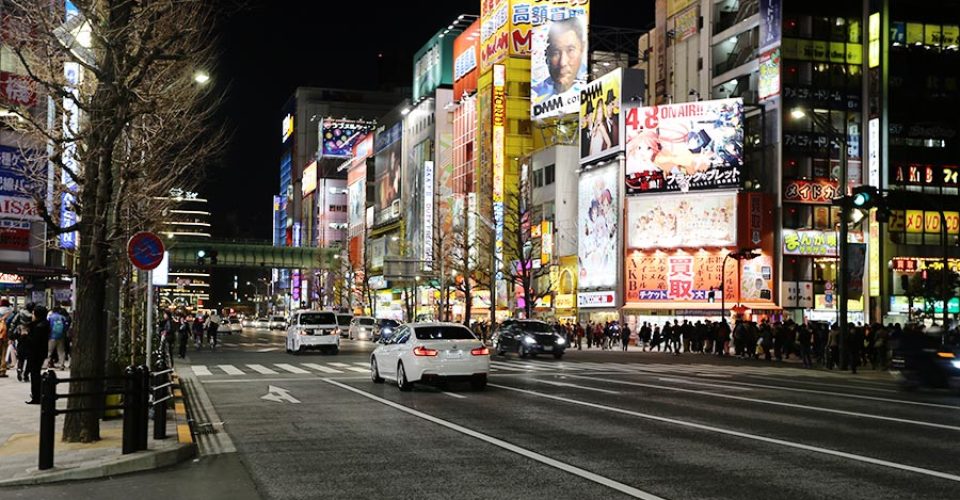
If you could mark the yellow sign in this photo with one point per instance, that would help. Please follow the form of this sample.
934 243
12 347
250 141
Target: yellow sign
874 43
565 301
874 254
287 127
308 183
675 6
918 221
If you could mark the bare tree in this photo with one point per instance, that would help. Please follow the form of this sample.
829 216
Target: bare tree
468 256
522 251
126 123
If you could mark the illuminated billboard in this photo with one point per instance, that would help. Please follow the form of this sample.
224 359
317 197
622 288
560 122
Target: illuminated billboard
338 137
677 221
682 147
654 278
600 122
598 226
308 183
286 127
466 61
387 174
558 60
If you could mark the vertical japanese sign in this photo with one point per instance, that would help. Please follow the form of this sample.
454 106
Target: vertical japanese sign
499 142
15 200
494 32
873 248
428 202
71 167
770 23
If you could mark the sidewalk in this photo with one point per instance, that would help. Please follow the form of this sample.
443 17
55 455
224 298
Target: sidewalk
19 443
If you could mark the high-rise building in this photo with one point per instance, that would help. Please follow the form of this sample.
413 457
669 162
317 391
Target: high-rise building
187 219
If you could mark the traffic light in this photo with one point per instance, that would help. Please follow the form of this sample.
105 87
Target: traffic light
201 257
865 197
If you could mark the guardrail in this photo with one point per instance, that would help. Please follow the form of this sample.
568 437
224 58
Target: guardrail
140 386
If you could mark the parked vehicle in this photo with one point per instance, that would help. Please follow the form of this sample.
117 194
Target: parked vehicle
313 330
528 338
362 328
430 352
234 324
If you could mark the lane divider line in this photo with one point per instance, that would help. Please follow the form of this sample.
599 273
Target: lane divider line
769 402
754 437
585 474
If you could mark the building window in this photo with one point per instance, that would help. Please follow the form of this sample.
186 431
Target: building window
549 174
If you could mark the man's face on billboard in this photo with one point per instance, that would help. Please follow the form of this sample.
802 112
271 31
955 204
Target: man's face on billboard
563 57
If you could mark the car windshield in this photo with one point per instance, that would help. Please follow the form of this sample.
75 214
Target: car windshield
278 318
367 321
318 319
535 327
444 333
234 320
344 319
388 323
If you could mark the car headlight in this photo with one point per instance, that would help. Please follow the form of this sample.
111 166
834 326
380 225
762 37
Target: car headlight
529 340
561 341
956 363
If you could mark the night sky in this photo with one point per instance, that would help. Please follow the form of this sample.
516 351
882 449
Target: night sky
271 47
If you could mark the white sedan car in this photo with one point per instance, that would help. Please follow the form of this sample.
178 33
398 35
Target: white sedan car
430 351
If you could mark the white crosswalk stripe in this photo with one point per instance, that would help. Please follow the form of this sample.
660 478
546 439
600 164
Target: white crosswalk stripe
358 370
231 370
339 365
321 368
506 366
201 371
262 369
290 368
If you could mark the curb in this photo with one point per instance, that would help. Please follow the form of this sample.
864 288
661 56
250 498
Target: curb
140 461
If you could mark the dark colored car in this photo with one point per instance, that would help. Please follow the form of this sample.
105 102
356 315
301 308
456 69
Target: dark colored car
528 337
385 328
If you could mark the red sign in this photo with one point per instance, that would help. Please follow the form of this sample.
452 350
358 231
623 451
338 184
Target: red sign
15 238
466 61
819 191
17 90
145 250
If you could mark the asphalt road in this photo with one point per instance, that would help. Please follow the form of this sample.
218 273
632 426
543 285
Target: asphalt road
594 425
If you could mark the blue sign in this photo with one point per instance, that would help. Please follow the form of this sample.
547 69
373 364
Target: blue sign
13 182
770 23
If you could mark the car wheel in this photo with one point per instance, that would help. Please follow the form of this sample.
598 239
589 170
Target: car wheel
522 351
479 382
557 355
375 372
402 383
335 350
500 350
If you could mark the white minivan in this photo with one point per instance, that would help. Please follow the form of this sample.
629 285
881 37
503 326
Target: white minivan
313 330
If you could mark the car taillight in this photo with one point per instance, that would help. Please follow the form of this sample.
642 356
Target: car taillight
423 351
480 351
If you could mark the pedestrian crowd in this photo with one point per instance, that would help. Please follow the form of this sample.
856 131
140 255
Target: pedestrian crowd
179 328
33 339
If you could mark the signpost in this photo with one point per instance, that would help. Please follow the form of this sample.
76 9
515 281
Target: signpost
145 251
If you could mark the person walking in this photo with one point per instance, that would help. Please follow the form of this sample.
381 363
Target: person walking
57 343
6 312
21 322
578 331
197 331
624 336
38 337
675 339
805 341
853 345
833 347
183 336
213 325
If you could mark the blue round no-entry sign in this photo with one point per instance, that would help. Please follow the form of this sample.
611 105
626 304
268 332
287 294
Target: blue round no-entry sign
145 250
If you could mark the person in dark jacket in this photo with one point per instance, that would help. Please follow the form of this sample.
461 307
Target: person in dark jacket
37 337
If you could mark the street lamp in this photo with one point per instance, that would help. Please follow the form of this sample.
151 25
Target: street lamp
739 255
201 77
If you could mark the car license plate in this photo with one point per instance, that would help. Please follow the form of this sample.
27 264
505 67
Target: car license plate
454 354
547 348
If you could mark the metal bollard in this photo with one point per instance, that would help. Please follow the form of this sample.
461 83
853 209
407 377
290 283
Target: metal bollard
160 405
143 417
130 401
48 418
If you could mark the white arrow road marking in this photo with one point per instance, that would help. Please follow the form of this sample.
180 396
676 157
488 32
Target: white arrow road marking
279 394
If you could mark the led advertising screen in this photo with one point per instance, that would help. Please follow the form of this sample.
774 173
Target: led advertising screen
598 224
683 147
677 221
558 62
600 122
338 137
387 174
